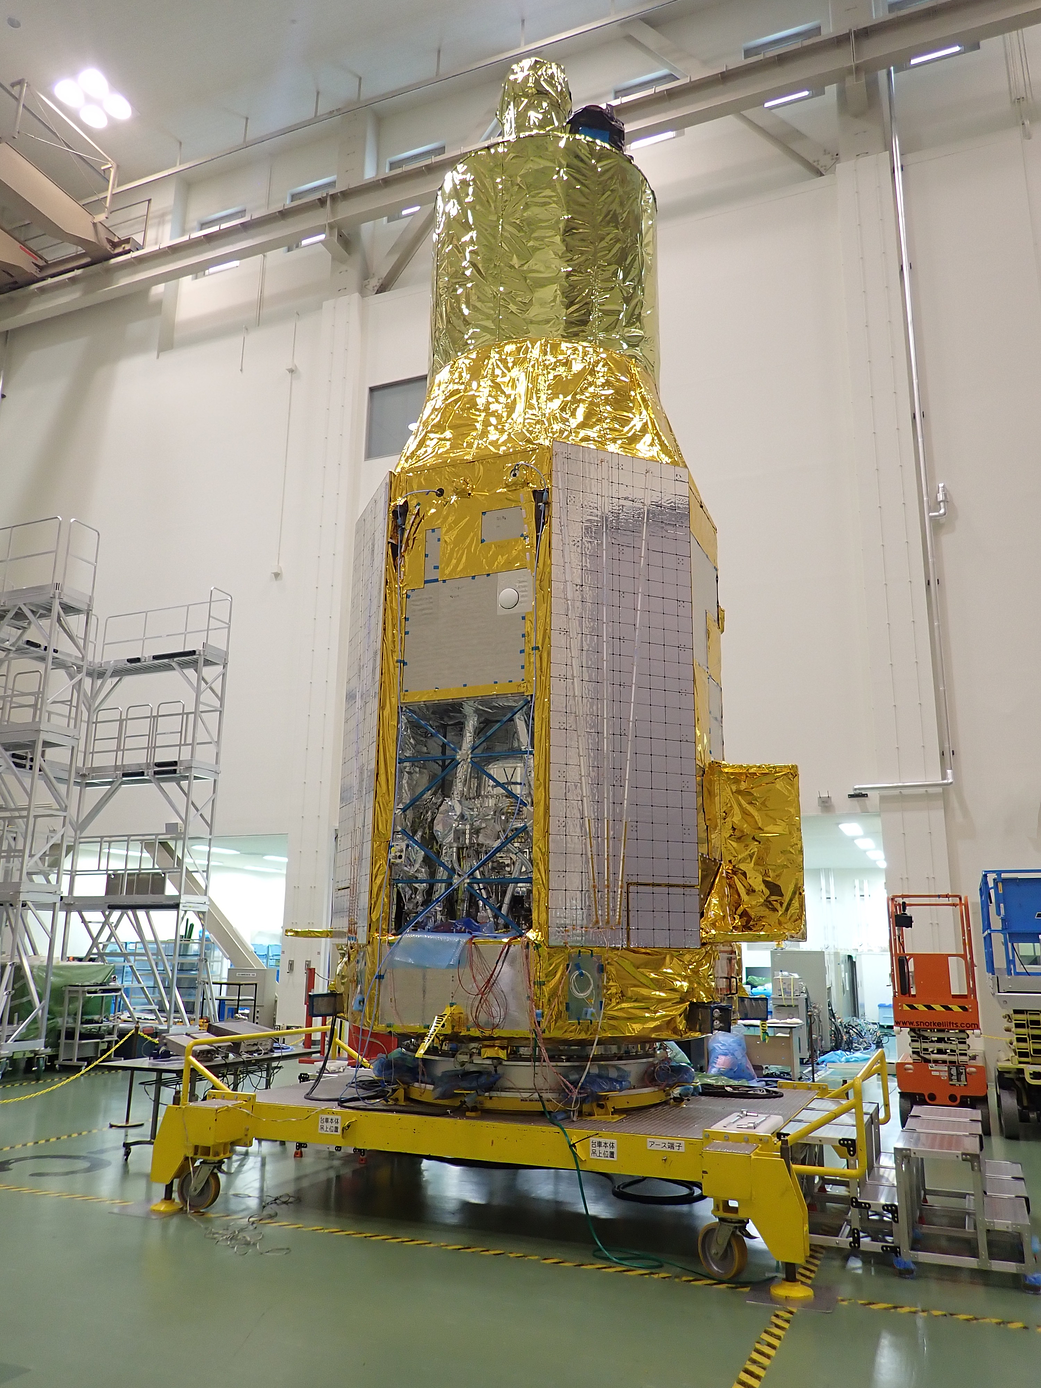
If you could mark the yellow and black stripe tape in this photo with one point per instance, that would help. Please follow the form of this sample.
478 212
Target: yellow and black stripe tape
769 1341
40 1141
65 1195
765 1347
962 1316
934 1007
403 1239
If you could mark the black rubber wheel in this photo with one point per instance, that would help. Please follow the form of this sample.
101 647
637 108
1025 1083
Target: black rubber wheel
1008 1110
907 1103
202 1199
983 1109
729 1263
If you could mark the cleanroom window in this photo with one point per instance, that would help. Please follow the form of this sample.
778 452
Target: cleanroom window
393 409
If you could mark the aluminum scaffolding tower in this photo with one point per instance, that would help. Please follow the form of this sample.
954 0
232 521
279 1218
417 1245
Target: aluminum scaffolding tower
141 899
47 571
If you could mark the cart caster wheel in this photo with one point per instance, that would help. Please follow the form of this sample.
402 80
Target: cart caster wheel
1008 1111
983 1109
726 1263
906 1105
203 1198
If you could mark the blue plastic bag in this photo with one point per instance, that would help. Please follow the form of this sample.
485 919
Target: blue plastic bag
728 1058
399 1067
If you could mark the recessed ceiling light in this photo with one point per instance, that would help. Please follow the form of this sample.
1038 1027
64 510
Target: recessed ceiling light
864 843
939 53
408 211
274 858
854 831
93 116
653 139
224 265
310 241
69 93
201 848
117 106
94 83
882 862
877 855
784 100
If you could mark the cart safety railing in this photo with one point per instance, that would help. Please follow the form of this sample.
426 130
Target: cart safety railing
855 1105
190 1063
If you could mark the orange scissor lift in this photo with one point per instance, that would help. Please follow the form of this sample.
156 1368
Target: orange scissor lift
934 998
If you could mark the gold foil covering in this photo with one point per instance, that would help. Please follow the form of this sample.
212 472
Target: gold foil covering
535 96
755 830
514 396
548 235
544 330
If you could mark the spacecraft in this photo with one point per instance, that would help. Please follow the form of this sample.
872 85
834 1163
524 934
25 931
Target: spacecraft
544 865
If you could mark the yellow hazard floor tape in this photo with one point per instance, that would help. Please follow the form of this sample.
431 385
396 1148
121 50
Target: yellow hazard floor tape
40 1141
765 1348
962 1316
769 1341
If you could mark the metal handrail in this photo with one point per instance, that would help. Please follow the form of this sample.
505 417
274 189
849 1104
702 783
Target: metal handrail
875 1066
190 1063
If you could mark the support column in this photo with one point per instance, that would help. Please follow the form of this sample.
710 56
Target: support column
896 616
329 486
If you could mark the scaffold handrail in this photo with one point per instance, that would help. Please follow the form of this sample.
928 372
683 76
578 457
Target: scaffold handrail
312 1028
854 1104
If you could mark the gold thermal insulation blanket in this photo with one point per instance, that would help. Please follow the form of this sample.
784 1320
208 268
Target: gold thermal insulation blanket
535 96
514 396
755 831
646 991
546 235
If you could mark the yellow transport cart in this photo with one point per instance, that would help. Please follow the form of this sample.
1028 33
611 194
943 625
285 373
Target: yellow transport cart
742 1157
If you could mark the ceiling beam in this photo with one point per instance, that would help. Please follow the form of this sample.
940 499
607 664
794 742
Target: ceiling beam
776 131
883 43
873 47
399 257
335 214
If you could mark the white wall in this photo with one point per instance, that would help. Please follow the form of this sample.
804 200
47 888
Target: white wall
193 459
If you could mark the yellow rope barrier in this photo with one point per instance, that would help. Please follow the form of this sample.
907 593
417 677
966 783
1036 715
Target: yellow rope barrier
77 1076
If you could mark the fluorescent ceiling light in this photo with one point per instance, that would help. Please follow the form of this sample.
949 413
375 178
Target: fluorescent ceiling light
854 831
408 211
93 83
940 53
69 93
877 855
653 139
201 848
93 116
225 265
274 858
864 843
117 106
313 240
784 100
882 862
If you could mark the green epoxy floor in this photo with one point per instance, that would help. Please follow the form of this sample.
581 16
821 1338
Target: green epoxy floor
91 1297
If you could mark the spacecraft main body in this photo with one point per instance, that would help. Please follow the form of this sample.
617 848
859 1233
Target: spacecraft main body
543 861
